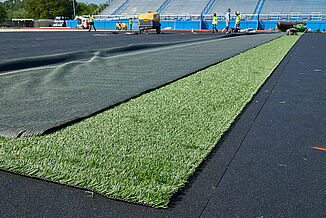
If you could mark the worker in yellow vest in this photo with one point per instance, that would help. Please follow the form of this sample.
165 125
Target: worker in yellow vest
237 21
91 22
124 26
130 23
214 23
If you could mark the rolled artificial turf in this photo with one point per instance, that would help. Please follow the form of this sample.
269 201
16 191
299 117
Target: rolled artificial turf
144 150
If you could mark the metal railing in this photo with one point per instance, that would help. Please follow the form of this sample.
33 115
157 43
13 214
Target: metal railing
292 16
180 17
114 17
163 17
273 16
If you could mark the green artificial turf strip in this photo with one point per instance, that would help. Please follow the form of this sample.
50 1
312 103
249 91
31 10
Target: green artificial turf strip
144 150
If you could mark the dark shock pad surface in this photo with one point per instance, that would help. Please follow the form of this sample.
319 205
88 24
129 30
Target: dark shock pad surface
276 172
35 100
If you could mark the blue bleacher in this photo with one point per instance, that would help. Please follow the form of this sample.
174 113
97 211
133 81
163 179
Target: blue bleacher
112 7
182 7
294 6
244 6
137 7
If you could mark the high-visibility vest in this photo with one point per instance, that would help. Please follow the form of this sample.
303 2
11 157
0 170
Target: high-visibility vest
91 19
238 18
215 20
130 22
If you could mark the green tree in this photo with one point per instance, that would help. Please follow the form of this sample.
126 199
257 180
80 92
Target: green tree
14 4
3 12
48 9
15 9
19 13
83 9
92 7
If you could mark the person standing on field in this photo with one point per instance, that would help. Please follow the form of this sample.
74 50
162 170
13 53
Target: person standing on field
130 23
237 21
91 22
227 20
214 23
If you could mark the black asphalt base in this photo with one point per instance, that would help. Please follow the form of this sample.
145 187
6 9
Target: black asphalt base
264 166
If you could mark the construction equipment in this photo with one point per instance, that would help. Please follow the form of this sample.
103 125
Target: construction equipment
148 21
121 26
124 26
285 26
83 22
301 27
118 26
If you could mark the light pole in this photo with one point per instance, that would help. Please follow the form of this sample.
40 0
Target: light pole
73 5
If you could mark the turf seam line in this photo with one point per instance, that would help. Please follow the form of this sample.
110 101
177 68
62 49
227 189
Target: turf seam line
241 143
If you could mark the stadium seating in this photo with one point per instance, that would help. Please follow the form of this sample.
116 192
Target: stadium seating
310 6
112 7
180 7
244 6
277 6
142 6
195 7
294 6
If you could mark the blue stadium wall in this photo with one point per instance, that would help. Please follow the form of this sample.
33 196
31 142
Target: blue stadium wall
203 25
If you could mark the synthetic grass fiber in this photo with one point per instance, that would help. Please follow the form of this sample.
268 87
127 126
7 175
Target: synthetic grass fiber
144 150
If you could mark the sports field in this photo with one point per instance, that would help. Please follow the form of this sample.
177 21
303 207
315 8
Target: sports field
44 93
145 150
